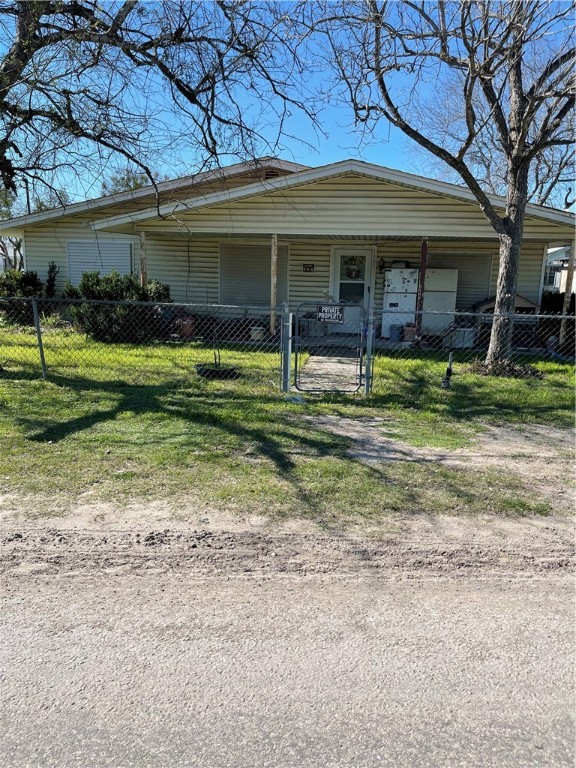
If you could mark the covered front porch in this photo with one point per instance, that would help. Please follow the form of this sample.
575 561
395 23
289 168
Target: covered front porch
268 271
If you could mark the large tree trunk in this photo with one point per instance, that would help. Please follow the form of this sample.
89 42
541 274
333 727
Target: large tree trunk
510 242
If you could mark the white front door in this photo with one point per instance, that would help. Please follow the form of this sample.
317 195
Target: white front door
352 282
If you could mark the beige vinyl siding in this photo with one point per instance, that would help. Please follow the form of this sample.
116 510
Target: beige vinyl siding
352 207
529 271
473 262
309 286
473 276
196 281
188 265
50 243
100 208
191 267
349 205
104 257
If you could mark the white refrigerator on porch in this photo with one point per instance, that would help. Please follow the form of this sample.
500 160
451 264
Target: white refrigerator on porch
400 290
439 296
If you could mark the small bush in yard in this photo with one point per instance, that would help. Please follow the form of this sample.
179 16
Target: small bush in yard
130 323
53 271
17 284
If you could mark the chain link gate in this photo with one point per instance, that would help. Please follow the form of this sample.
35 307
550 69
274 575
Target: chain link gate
330 347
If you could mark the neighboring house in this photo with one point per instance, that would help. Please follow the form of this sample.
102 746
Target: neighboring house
556 272
9 253
210 236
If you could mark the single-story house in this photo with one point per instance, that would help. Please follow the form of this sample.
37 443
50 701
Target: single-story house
330 231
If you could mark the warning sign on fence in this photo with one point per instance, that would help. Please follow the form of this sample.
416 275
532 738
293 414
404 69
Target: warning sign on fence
330 313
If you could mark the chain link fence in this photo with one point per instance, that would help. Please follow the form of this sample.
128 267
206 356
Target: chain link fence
416 351
262 348
468 333
330 344
139 342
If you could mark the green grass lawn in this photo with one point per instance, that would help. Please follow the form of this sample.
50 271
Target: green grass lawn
124 423
412 383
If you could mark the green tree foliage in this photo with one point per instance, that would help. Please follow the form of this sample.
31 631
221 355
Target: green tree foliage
49 199
53 271
126 180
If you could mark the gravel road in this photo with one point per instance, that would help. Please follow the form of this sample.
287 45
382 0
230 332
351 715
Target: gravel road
209 648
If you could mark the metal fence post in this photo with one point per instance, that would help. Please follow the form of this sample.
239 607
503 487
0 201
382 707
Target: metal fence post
39 338
286 348
369 354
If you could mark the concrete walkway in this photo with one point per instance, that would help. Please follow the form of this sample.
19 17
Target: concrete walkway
329 373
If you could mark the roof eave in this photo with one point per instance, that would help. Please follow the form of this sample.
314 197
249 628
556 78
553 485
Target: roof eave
311 175
98 203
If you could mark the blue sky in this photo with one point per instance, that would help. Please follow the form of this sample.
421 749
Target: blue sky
173 151
390 147
309 147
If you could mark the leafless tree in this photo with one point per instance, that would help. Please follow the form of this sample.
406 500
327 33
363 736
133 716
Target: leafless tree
11 256
83 81
551 177
510 63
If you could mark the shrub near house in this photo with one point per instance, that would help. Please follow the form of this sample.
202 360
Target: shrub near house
17 284
114 322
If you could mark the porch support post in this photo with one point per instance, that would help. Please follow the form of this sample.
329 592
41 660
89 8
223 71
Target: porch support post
567 292
421 286
273 282
542 275
142 253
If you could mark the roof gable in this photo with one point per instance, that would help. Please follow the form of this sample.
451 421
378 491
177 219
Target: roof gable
248 190
309 176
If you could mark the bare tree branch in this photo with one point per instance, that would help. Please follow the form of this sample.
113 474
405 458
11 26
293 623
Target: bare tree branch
498 132
100 74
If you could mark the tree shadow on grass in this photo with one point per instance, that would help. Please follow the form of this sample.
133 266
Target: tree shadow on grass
279 441
482 398
274 440
249 418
